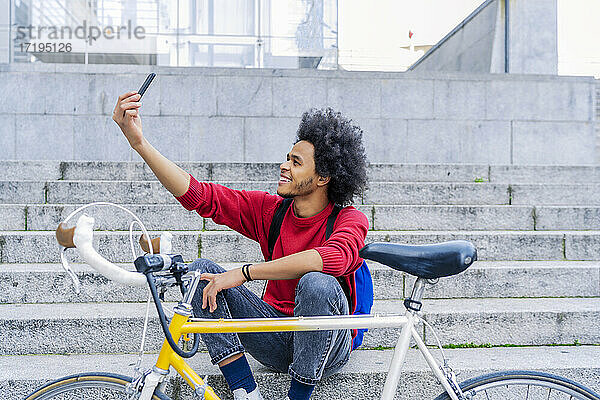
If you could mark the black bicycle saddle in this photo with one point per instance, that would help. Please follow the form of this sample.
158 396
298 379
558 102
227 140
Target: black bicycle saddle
428 261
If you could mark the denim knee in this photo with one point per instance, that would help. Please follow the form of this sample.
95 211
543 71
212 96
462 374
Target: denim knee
319 294
205 265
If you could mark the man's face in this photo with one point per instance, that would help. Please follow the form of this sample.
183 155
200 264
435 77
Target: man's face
298 176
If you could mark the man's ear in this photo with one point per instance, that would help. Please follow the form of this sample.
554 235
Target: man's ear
323 180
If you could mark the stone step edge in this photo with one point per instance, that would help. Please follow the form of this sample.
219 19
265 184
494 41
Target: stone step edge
66 311
274 182
380 232
37 283
580 363
275 164
486 264
363 360
366 205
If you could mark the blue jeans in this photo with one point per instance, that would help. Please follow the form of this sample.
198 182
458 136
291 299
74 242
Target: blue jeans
306 356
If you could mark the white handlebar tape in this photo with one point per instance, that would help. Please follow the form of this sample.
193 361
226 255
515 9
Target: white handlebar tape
83 242
166 238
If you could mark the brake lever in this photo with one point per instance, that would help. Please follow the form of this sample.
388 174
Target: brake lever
69 270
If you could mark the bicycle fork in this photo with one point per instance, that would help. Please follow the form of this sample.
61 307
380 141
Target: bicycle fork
146 384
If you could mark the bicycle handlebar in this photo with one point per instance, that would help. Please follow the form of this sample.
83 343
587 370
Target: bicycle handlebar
64 236
82 241
155 244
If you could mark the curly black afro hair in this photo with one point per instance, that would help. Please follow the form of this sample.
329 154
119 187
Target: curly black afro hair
339 152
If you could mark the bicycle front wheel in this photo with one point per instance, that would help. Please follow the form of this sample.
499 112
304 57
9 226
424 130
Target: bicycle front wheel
88 386
523 385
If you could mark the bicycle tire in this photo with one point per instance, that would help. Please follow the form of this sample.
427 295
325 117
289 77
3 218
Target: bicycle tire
88 386
509 385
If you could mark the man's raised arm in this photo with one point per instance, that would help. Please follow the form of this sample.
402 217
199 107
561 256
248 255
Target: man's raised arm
126 115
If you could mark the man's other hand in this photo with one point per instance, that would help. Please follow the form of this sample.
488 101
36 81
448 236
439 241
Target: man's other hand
218 282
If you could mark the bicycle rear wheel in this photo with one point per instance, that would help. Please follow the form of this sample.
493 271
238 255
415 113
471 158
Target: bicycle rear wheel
522 385
88 386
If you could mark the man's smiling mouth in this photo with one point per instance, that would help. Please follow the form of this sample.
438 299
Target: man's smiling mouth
284 179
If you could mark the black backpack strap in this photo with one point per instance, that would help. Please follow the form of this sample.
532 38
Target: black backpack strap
276 225
331 220
328 231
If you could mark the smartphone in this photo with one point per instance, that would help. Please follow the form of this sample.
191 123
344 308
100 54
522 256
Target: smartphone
145 85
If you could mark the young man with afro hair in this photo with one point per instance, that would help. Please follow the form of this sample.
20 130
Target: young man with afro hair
326 166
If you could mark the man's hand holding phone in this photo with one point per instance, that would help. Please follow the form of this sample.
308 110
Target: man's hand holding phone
126 113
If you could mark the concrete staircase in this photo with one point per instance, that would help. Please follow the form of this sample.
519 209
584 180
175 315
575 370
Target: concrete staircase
532 301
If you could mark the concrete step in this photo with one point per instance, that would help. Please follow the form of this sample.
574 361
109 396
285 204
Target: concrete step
94 327
17 191
134 170
227 246
361 378
36 217
544 173
490 217
48 283
430 193
73 192
491 245
27 170
381 217
42 247
481 193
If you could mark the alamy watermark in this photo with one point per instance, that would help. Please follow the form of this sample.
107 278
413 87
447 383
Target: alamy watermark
45 38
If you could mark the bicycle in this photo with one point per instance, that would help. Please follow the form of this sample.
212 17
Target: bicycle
160 270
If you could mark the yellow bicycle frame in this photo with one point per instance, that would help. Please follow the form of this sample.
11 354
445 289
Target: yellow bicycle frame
168 358
183 324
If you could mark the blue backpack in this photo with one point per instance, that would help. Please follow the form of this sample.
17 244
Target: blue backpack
362 276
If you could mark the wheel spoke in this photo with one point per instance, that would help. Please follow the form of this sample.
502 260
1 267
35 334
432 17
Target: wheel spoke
93 386
526 385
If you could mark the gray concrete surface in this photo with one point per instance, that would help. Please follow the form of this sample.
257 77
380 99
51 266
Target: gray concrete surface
35 217
555 194
48 283
155 216
527 302
247 171
544 174
436 193
128 191
491 245
533 37
361 378
449 193
581 246
93 328
567 217
32 170
477 44
17 191
470 46
249 111
452 217
41 246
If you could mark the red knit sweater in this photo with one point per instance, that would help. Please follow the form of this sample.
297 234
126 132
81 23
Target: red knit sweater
250 213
